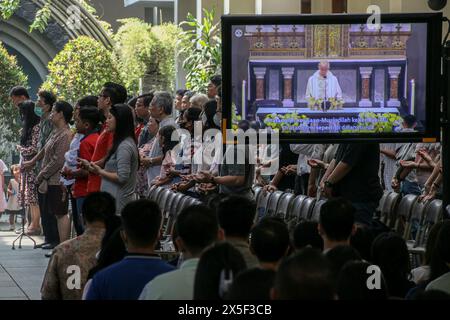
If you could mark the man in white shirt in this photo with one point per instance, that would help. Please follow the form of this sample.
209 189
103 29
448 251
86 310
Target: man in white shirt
160 109
197 229
323 84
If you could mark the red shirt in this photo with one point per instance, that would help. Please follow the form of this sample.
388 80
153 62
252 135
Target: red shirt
138 130
86 151
104 144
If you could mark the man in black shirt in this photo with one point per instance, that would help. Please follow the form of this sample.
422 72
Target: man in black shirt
353 175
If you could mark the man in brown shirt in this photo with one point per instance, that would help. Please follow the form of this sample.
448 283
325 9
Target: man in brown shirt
71 261
55 220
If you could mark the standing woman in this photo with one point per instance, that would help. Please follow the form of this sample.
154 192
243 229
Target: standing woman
120 173
28 148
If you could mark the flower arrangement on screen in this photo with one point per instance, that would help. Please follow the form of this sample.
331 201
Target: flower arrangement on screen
287 123
317 104
370 122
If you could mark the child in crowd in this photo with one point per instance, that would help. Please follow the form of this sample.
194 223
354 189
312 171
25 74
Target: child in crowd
13 208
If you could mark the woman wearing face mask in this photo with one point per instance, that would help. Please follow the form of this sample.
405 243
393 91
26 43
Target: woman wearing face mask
144 152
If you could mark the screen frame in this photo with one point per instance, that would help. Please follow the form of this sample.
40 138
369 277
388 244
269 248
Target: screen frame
433 72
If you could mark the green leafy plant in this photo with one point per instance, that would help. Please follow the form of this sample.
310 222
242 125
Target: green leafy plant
42 17
143 51
80 69
201 51
8 7
10 75
287 123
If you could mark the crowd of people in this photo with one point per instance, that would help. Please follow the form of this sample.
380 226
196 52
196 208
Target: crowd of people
91 166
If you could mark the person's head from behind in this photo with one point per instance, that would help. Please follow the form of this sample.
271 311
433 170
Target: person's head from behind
179 99
18 95
88 120
161 105
236 216
440 258
168 138
431 241
99 207
306 234
390 253
409 121
337 222
252 284
142 107
46 99
217 268
61 114
186 100
244 125
270 242
339 256
189 117
197 228
87 101
29 120
198 101
304 276
141 221
353 280
214 83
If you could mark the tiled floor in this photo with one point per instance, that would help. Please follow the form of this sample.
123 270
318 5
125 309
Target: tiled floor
21 270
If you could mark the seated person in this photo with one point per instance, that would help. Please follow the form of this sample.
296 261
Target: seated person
252 284
126 279
270 242
337 223
97 209
197 228
306 234
236 217
304 276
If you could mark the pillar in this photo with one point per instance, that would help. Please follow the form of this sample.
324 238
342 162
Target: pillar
288 73
366 74
260 74
394 73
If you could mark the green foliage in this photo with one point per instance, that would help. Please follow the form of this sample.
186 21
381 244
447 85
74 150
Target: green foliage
10 75
80 69
202 52
287 123
8 7
42 17
143 51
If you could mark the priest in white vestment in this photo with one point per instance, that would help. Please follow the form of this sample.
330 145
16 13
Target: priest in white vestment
323 84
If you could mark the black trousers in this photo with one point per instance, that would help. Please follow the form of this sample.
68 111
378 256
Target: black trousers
301 184
77 223
48 220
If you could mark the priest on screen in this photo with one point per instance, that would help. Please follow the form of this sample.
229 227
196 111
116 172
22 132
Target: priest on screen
323 84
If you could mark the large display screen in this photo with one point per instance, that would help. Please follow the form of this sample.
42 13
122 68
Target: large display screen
334 77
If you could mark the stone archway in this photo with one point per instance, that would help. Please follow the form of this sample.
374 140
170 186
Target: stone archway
38 49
